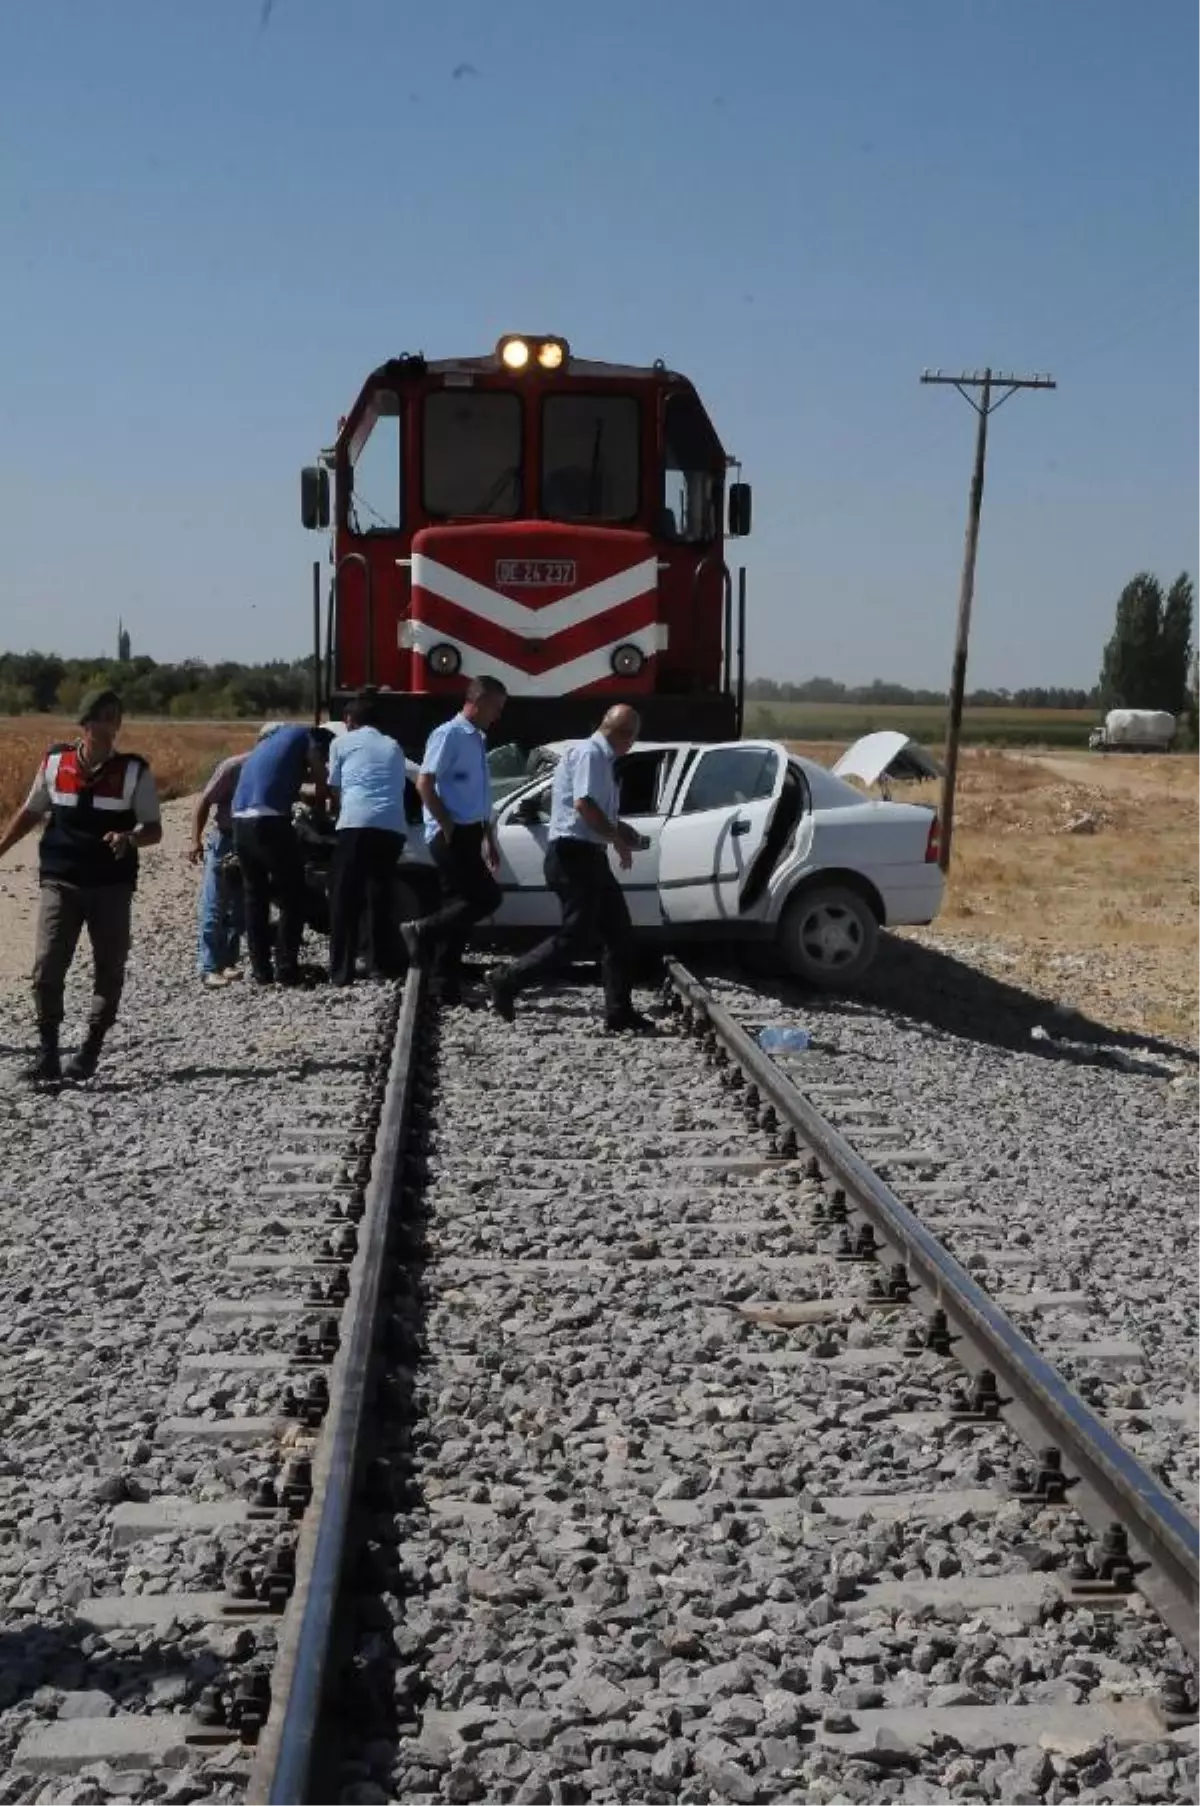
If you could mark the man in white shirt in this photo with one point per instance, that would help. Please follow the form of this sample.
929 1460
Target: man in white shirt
584 823
366 780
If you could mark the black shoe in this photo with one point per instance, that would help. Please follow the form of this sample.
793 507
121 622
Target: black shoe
263 976
47 1068
630 1022
82 1065
501 1000
289 978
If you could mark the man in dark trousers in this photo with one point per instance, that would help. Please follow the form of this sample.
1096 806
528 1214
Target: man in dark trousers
98 806
455 786
584 823
267 847
366 783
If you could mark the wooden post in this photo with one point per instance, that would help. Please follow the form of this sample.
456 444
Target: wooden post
966 593
985 380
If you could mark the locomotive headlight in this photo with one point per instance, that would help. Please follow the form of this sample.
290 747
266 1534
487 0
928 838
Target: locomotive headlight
552 354
514 354
627 660
444 659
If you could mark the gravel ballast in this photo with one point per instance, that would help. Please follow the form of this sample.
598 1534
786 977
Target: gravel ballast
120 1203
616 1567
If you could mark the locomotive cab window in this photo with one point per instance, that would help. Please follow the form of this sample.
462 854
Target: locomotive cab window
590 457
376 497
692 465
472 454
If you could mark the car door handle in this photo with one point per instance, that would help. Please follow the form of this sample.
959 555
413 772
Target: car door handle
739 827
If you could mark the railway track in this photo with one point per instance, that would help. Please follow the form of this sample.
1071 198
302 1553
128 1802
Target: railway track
651 1448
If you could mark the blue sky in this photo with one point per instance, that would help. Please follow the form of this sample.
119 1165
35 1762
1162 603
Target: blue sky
212 230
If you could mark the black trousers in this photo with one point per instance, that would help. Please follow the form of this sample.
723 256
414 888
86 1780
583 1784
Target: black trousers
364 861
594 911
469 893
272 864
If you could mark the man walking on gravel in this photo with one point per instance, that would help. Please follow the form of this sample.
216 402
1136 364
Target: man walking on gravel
98 806
267 846
455 787
584 823
366 782
222 917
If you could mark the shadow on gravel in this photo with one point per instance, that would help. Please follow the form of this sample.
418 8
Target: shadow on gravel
939 995
35 1656
186 1075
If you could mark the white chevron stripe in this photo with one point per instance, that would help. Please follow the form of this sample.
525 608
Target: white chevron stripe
519 617
418 637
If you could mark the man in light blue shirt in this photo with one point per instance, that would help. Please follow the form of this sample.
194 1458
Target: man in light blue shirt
455 787
584 823
366 779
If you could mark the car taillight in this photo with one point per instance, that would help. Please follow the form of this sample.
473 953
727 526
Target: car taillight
933 846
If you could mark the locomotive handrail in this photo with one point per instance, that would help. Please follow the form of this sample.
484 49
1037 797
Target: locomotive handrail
316 641
713 558
329 621
740 702
360 558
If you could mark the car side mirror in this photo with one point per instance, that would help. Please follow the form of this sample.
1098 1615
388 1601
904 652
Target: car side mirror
314 497
739 510
528 813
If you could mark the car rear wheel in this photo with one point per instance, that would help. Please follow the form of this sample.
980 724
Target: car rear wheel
828 936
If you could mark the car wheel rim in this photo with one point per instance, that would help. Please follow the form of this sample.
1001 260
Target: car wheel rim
831 935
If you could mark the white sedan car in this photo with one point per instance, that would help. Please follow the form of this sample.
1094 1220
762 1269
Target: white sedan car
747 842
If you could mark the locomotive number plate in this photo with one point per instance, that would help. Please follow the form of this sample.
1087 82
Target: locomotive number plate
535 573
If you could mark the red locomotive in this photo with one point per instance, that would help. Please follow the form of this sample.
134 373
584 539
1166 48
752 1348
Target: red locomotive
555 521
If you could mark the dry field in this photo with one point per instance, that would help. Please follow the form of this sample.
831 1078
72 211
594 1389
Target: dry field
181 753
1102 918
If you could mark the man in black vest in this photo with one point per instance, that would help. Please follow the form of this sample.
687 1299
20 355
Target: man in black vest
98 806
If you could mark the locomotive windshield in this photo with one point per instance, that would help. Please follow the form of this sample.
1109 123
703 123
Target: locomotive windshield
590 458
472 454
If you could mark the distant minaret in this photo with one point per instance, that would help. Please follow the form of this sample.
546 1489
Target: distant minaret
123 643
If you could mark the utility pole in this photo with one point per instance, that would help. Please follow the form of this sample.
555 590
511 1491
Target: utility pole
985 381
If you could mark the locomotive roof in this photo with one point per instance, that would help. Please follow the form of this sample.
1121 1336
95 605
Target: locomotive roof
575 366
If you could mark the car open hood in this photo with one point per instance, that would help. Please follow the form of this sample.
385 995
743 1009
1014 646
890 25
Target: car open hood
886 754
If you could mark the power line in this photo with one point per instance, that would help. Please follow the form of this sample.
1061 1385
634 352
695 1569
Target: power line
985 381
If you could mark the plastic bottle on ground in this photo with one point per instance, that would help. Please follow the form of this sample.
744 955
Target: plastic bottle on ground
783 1040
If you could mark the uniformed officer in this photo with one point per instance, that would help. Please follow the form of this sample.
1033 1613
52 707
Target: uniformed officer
455 787
584 823
97 807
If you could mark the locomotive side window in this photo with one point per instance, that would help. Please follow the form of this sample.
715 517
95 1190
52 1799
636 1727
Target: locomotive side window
590 457
692 463
472 454
376 500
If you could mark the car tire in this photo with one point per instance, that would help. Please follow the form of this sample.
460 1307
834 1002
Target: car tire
828 936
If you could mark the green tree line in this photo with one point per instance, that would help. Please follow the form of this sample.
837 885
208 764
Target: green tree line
44 682
891 695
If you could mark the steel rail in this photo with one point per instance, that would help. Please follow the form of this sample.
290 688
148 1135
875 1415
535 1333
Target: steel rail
1124 1490
286 1746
